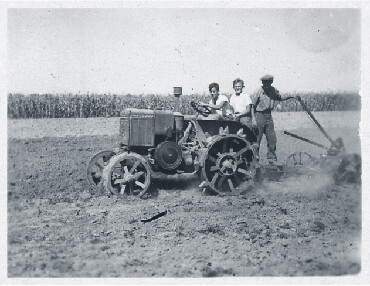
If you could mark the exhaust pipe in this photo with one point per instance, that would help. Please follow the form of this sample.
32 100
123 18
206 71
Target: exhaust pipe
177 91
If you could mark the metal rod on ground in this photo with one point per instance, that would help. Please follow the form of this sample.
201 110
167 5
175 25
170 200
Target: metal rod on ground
305 140
315 121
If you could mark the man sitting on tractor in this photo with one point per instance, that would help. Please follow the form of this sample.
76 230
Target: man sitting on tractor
219 103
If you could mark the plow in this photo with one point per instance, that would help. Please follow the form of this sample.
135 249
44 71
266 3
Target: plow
220 154
345 167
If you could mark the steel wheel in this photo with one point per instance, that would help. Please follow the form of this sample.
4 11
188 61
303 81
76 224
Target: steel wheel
298 159
229 165
96 166
127 173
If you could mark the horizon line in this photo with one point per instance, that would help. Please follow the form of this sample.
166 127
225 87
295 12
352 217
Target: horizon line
166 94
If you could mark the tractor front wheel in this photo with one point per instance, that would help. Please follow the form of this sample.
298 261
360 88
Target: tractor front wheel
127 174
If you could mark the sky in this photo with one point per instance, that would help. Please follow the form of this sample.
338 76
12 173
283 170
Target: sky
152 50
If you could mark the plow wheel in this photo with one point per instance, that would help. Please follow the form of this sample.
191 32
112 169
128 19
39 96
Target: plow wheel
229 166
299 159
127 173
96 166
349 170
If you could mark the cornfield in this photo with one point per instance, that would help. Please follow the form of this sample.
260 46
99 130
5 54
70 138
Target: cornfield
110 105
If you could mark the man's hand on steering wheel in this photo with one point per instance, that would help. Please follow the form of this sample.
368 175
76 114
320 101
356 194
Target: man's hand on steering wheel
202 109
203 104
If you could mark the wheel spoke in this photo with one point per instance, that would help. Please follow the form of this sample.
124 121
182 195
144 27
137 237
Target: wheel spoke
214 168
140 184
245 149
214 179
243 171
123 187
119 181
239 162
100 166
203 184
134 166
125 169
221 181
209 157
294 160
231 185
137 175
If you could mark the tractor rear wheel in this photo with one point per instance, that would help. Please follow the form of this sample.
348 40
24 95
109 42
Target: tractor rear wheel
127 174
229 165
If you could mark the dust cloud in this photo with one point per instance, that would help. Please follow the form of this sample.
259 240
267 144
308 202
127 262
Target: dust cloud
313 182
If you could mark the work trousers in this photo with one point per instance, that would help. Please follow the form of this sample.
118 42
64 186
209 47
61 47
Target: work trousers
265 126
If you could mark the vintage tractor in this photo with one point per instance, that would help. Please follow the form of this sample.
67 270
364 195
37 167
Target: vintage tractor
164 145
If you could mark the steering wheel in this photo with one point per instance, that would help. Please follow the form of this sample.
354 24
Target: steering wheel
203 110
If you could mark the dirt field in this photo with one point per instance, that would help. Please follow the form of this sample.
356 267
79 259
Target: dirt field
57 227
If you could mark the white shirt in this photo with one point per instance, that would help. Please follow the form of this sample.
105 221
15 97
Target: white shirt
240 102
220 98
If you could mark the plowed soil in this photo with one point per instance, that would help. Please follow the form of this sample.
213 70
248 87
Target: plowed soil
59 227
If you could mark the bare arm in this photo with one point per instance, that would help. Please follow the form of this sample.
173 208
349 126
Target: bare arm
253 117
215 106
283 97
286 97
248 111
242 114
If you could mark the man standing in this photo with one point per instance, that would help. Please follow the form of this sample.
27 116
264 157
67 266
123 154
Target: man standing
242 104
263 100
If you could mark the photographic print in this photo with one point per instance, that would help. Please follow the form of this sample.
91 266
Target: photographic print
183 142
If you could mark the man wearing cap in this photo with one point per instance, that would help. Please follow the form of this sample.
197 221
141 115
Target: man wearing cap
263 100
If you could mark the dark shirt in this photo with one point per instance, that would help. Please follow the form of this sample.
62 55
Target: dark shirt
264 98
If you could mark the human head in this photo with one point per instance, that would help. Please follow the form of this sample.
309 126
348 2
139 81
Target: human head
238 85
212 85
267 80
214 89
